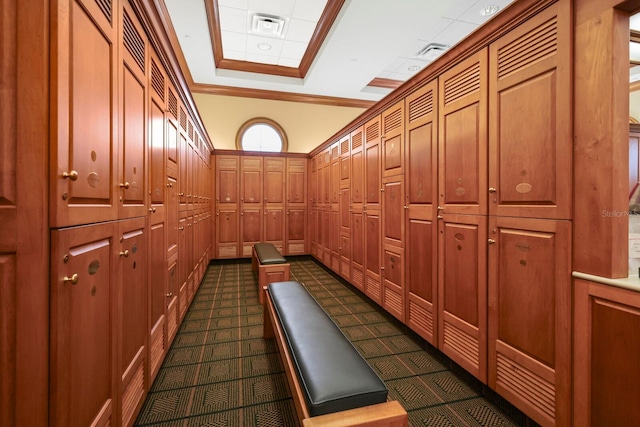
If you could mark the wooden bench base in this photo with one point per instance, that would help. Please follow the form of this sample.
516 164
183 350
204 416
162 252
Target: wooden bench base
268 273
388 414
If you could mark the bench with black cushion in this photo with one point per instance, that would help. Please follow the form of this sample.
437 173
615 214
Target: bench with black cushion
329 380
270 266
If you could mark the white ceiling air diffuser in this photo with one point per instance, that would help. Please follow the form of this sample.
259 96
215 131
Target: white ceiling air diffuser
431 52
266 25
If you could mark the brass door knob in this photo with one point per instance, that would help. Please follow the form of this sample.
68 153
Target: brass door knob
73 279
124 253
124 185
73 175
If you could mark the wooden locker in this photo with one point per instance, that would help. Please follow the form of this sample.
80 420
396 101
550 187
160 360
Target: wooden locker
132 171
530 315
227 201
185 167
84 138
83 306
393 123
372 163
251 203
357 249
421 188
345 255
156 296
345 160
171 294
462 291
530 173
183 273
462 136
372 248
393 262
334 238
357 167
356 187
173 146
132 317
296 181
296 240
295 231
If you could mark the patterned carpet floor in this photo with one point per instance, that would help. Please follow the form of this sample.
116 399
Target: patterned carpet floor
219 370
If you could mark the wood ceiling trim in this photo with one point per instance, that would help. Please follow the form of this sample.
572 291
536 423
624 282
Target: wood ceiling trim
386 83
328 17
280 96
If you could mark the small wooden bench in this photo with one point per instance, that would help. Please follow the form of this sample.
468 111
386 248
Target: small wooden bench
270 266
330 382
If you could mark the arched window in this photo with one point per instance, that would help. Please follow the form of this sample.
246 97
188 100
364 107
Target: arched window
261 134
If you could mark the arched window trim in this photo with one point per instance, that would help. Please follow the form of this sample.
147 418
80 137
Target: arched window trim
262 121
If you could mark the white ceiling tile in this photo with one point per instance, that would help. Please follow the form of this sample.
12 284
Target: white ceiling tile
272 7
429 32
233 20
293 50
288 62
233 41
237 4
309 10
300 31
235 55
254 41
455 32
262 59
456 8
473 16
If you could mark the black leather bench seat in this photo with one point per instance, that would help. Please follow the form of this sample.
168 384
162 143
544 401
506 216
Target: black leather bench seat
332 373
268 254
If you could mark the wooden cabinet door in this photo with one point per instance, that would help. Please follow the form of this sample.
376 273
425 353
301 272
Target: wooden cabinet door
132 317
334 238
228 203
607 344
132 173
296 181
84 141
462 137
357 167
251 203
393 271
274 181
421 234
274 226
173 147
295 230
83 306
156 145
393 211
530 316
393 123
372 247
156 295
462 291
372 163
345 210
345 163
345 255
335 177
185 169
183 273
357 248
531 144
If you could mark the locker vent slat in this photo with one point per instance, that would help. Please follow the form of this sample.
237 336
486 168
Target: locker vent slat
421 106
462 84
105 7
133 41
173 104
157 80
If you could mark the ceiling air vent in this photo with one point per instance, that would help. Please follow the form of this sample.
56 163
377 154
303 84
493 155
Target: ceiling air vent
266 25
431 51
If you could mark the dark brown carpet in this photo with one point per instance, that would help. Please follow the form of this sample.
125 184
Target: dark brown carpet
221 372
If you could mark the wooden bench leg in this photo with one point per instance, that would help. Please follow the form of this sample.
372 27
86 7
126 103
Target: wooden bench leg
270 274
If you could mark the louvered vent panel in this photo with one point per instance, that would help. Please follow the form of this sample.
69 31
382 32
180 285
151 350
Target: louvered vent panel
345 269
420 317
334 152
105 7
357 278
344 147
133 41
326 157
373 288
132 395
173 104
356 141
392 121
532 47
190 130
462 84
421 106
372 131
462 343
157 80
392 301
523 382
157 349
183 119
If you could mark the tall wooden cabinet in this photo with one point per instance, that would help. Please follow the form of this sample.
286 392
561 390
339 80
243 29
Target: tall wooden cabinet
260 199
119 174
460 202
